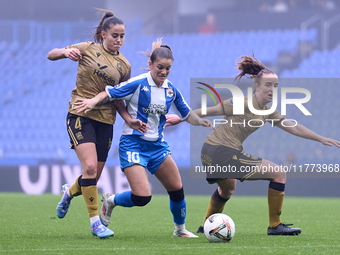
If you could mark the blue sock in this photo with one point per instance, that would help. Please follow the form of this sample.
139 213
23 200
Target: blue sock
178 210
124 199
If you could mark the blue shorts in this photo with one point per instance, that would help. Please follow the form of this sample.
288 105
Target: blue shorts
150 155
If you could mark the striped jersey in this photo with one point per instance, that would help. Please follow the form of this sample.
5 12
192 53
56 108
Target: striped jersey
148 103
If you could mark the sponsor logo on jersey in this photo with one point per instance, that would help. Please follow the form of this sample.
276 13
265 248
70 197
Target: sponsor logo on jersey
145 88
101 67
156 109
169 92
107 79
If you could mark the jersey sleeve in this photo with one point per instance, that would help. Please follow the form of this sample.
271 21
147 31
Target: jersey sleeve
227 107
275 118
127 75
124 90
180 106
80 46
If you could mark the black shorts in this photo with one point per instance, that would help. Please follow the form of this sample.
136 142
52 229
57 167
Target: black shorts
85 130
221 162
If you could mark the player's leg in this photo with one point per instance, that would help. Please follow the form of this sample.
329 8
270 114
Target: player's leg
68 193
104 136
139 195
226 188
277 180
220 156
168 174
100 167
133 162
75 132
87 154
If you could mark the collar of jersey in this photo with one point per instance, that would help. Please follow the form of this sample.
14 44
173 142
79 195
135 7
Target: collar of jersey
109 52
153 84
256 104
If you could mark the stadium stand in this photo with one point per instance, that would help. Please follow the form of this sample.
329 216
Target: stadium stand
35 91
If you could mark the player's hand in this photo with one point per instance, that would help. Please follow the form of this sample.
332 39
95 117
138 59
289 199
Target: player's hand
84 105
171 120
206 123
138 125
73 54
329 142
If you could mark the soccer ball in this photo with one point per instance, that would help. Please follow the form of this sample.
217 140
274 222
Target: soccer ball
219 228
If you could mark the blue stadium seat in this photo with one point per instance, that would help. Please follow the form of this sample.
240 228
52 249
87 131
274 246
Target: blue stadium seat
195 56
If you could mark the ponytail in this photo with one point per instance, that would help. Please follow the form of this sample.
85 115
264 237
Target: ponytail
107 20
159 50
251 67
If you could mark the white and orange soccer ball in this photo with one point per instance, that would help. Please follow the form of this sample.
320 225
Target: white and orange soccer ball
219 228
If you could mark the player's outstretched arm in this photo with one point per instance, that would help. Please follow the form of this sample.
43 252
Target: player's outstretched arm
173 119
195 120
133 123
211 111
85 105
73 54
302 131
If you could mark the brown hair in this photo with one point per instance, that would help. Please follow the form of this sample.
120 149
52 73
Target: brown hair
159 50
107 20
252 68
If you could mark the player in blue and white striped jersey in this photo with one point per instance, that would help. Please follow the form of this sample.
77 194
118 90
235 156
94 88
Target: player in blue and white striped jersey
149 103
148 98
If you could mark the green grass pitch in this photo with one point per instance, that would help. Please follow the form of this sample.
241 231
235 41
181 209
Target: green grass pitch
29 226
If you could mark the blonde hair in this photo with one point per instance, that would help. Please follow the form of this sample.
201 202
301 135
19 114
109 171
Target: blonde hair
159 50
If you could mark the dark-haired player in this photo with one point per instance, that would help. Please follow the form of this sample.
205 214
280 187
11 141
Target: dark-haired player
99 63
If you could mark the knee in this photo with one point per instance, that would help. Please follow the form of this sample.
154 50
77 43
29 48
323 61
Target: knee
176 196
279 176
226 192
90 169
140 200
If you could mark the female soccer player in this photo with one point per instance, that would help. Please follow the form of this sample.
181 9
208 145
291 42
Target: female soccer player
100 63
149 97
223 147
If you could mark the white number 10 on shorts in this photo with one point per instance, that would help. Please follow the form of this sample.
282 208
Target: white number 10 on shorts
133 157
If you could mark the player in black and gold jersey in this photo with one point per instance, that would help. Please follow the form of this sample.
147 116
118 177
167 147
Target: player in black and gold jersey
223 147
99 63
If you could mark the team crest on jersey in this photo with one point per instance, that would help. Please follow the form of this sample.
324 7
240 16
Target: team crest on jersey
169 92
231 101
98 54
120 66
